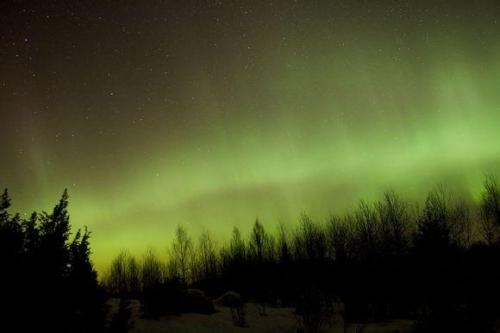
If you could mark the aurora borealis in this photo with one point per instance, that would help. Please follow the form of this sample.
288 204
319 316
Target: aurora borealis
211 114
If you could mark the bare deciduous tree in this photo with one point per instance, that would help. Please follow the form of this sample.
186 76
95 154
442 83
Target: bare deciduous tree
258 242
118 281
284 254
394 222
490 211
152 270
366 229
237 246
338 238
182 251
310 240
207 251
133 275
462 230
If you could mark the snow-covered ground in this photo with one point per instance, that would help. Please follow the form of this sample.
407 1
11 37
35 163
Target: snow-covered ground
278 320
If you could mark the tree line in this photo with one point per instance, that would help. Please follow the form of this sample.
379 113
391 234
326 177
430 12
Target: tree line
438 264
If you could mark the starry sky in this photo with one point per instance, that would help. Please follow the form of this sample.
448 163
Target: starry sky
212 113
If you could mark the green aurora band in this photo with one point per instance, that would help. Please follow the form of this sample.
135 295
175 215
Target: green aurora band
302 114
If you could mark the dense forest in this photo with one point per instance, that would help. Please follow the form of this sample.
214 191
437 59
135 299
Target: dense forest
438 264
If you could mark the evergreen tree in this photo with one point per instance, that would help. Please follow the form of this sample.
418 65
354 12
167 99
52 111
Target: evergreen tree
52 286
88 298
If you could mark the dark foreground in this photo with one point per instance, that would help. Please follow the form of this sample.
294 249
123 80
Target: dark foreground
282 320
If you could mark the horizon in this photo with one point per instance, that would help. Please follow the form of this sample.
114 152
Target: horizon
161 245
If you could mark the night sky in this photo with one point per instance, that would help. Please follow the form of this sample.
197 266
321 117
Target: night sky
213 113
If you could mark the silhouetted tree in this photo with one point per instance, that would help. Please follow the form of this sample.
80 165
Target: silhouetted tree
4 205
434 229
261 256
161 294
11 251
124 275
386 259
490 211
51 285
367 231
237 247
207 250
87 296
151 269
259 242
182 254
437 253
394 223
133 276
284 254
310 241
234 264
462 231
117 281
339 234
